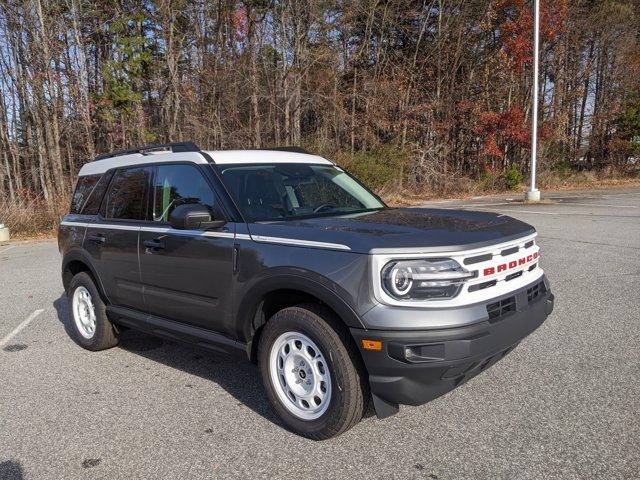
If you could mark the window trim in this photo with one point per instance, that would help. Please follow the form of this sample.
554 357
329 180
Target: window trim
202 168
228 202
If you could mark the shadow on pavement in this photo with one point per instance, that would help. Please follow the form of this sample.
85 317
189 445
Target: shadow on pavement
11 470
237 376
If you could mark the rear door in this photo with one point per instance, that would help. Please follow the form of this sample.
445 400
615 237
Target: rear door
187 274
112 241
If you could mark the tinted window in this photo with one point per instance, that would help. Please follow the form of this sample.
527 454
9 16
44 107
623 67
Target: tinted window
84 187
127 196
283 191
92 205
179 185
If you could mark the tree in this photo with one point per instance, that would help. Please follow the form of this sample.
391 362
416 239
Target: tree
422 91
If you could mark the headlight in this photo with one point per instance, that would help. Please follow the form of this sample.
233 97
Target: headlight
424 279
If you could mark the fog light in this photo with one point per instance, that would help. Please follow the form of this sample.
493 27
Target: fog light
424 353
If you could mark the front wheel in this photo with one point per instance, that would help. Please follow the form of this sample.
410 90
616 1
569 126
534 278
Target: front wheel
313 379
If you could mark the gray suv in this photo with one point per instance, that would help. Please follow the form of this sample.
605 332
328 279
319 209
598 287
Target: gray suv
284 257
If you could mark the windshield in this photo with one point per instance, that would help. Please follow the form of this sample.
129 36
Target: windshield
284 191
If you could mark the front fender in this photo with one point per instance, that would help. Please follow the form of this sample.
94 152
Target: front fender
330 293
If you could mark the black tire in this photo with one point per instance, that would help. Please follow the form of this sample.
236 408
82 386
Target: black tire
349 387
104 335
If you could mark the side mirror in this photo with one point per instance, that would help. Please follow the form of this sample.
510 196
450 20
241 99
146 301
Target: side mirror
193 216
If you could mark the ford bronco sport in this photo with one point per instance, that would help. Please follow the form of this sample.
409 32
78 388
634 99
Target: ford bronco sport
284 257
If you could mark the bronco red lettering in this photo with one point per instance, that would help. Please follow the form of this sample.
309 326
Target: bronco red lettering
512 264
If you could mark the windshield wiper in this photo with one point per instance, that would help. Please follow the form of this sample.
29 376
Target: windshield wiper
330 213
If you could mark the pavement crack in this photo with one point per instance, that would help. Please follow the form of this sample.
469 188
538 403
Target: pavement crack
16 347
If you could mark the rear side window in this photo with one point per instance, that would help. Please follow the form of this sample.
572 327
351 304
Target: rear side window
84 187
92 205
127 195
179 185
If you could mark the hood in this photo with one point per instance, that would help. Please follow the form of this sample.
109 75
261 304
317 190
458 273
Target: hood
401 228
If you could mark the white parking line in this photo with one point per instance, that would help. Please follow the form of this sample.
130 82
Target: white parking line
620 194
568 204
8 248
564 204
20 327
525 211
531 211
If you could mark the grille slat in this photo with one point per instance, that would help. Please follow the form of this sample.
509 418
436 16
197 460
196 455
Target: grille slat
478 259
509 251
480 286
513 275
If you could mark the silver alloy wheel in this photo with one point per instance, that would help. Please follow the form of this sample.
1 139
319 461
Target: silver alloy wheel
300 375
84 313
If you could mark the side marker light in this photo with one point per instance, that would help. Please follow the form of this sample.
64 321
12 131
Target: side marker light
373 345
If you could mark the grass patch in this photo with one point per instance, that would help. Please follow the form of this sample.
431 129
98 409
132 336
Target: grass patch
32 217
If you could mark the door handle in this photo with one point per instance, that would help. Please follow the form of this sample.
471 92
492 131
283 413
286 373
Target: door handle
236 259
154 244
98 239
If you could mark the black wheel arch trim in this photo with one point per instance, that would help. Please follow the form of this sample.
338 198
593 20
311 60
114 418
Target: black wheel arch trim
250 301
78 255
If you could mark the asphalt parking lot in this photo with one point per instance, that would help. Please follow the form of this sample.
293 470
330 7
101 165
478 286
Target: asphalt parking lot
564 404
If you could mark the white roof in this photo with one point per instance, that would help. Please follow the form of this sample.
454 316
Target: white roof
220 157
101 166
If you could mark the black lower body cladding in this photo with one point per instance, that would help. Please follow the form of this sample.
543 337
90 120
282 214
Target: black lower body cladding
415 367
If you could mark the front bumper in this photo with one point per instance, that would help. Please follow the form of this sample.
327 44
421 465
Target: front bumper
415 367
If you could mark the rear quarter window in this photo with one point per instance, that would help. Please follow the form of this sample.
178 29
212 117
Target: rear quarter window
92 205
83 190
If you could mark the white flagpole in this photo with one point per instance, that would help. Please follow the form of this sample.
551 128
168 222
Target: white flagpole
533 195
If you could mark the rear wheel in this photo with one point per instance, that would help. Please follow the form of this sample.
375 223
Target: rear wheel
88 322
312 378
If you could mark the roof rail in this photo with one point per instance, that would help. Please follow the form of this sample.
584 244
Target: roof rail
289 149
153 147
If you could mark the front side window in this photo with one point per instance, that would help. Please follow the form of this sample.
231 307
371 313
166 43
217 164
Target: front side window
127 196
286 191
176 185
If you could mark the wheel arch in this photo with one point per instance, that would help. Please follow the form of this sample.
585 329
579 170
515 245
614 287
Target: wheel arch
76 261
272 294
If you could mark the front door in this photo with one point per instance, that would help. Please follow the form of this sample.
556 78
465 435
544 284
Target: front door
186 273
